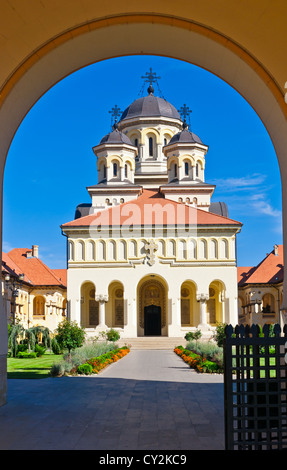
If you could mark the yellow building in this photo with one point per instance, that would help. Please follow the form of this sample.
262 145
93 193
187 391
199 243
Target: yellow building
33 293
260 290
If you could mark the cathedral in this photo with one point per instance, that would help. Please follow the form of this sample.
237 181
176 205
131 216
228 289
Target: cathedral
151 255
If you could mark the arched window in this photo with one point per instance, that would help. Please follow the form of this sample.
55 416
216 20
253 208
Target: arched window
175 170
115 169
39 305
105 171
164 141
126 170
150 146
186 168
197 170
136 142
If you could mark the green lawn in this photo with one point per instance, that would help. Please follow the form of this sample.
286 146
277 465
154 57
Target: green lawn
38 368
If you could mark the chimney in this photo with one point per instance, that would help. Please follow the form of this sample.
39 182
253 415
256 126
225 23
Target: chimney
276 250
35 251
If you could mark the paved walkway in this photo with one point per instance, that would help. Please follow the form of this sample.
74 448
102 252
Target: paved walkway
149 400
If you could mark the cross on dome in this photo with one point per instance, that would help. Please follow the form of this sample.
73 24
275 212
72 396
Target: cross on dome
184 111
151 78
115 112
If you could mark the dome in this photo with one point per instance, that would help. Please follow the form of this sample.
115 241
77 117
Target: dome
115 137
150 106
185 137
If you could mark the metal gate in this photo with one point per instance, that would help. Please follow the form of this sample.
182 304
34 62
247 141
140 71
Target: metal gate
255 388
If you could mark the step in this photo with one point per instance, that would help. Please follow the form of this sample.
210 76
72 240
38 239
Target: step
152 342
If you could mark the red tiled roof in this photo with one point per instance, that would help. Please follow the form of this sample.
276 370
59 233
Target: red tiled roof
62 275
270 270
151 208
243 273
10 267
35 271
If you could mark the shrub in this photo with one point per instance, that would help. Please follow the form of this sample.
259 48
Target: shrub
57 370
204 349
89 350
22 347
112 335
193 335
39 350
56 347
198 362
86 369
219 334
26 355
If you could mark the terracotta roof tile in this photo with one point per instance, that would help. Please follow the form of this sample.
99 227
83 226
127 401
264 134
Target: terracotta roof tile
151 208
37 272
270 270
9 266
62 275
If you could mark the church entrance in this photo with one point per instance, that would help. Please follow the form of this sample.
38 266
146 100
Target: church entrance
152 320
152 299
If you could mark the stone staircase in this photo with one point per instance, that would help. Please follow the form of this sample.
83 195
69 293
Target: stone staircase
152 342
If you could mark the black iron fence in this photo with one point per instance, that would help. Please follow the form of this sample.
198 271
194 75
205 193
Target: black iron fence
255 387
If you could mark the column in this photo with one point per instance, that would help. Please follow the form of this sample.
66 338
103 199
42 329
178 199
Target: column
202 298
122 173
102 299
193 172
180 172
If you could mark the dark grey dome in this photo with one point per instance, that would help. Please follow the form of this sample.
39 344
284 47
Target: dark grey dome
150 106
185 137
115 137
219 208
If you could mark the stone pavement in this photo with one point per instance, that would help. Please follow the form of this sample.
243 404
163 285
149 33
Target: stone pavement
149 400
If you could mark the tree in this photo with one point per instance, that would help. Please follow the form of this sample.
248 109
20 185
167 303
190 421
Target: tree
70 335
16 333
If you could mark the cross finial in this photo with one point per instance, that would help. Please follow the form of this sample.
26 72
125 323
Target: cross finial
115 112
185 111
151 78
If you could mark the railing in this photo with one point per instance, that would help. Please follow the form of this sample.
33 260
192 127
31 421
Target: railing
255 388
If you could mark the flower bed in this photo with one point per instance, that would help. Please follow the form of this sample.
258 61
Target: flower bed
95 364
197 362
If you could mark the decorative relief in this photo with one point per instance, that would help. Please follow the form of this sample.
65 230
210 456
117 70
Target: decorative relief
151 247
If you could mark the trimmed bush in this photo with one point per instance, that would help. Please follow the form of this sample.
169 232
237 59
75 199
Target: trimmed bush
193 335
85 369
26 355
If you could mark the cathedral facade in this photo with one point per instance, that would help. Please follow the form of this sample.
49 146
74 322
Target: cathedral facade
151 255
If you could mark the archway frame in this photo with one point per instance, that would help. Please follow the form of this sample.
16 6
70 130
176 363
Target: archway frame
183 39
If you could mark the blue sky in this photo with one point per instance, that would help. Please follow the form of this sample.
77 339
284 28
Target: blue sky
51 162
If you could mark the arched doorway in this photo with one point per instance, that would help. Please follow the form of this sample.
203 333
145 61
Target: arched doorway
152 307
188 304
216 303
115 311
89 306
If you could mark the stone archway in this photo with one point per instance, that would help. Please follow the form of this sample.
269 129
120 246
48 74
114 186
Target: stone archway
152 307
48 59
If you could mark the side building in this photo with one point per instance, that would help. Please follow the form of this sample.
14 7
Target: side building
260 290
33 293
